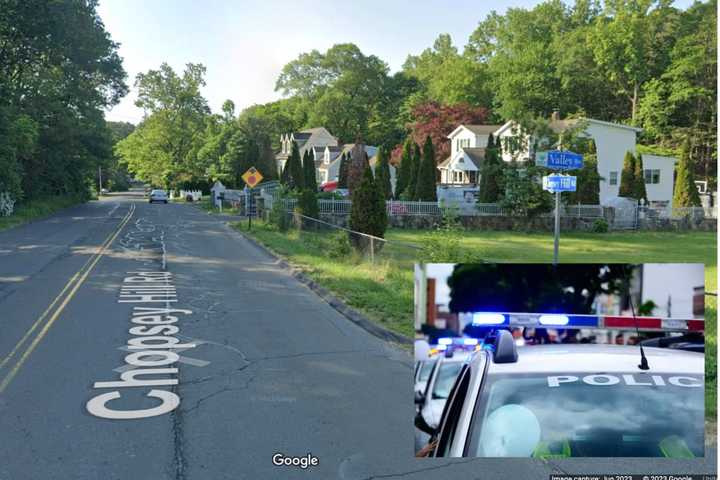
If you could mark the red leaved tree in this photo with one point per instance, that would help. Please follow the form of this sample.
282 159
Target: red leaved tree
437 121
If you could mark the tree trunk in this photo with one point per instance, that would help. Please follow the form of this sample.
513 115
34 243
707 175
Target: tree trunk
634 102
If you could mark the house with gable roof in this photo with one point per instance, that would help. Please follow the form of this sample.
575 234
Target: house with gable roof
463 168
308 139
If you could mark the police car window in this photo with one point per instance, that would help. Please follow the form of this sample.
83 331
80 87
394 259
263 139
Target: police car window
425 370
445 379
580 415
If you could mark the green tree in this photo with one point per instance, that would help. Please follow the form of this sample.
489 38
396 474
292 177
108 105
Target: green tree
627 177
358 164
449 77
640 192
343 87
382 173
415 169
426 180
522 190
404 170
295 175
164 148
368 213
588 183
491 173
629 43
685 193
308 205
59 71
267 165
309 175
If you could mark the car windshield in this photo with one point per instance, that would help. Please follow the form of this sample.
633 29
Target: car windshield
157 192
581 415
445 379
425 370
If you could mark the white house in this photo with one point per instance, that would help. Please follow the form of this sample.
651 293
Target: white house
306 140
659 172
612 141
467 151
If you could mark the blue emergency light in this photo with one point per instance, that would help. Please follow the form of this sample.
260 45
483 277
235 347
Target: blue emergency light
445 341
488 319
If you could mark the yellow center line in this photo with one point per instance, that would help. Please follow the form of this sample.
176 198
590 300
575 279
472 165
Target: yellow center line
55 301
81 277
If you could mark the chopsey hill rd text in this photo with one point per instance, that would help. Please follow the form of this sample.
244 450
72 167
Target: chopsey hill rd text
152 347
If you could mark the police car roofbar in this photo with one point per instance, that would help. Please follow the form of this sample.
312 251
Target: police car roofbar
587 321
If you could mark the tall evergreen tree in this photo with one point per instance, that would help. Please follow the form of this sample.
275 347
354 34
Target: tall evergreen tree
685 193
415 167
588 183
640 190
491 173
382 173
358 164
309 175
343 171
426 177
627 176
404 170
368 213
295 169
285 174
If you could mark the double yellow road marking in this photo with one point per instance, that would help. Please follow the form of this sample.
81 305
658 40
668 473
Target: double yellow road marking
51 314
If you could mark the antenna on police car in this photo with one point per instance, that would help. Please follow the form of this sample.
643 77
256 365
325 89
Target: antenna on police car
643 359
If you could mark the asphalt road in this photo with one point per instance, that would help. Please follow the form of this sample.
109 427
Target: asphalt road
273 369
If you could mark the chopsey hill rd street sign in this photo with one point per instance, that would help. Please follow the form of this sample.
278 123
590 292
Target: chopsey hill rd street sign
559 183
252 177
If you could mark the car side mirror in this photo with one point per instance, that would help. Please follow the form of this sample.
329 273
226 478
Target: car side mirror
423 426
419 398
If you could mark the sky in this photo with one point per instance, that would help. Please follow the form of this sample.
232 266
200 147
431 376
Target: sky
245 43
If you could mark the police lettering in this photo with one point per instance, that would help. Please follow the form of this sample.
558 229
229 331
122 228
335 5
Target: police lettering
631 380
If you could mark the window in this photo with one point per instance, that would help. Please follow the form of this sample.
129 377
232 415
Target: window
449 422
613 180
652 176
636 424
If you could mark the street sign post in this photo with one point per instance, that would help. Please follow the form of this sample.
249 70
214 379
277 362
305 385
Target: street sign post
557 183
251 178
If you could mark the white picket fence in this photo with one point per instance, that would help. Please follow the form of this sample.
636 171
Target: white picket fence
7 204
196 194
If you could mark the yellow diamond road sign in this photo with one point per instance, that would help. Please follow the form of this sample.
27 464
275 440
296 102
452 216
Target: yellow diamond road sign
252 177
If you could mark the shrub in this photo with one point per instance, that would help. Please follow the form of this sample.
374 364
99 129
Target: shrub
339 246
444 244
600 226
278 216
307 205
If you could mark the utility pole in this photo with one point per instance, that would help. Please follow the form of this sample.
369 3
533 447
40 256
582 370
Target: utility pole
99 181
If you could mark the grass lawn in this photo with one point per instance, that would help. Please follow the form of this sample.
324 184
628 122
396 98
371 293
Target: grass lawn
36 209
384 290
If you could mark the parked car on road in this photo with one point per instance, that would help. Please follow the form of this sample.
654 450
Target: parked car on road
158 196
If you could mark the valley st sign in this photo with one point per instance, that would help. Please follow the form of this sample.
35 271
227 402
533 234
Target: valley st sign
559 160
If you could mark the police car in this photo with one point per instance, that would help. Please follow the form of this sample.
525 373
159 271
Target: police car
580 400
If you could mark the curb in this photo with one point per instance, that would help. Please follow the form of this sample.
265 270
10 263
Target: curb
341 307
